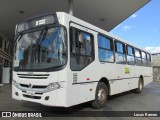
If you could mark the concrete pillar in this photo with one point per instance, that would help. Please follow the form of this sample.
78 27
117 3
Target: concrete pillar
70 6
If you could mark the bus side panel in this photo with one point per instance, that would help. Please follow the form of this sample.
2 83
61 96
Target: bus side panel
118 79
83 90
88 91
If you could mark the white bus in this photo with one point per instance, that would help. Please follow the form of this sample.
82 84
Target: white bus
61 60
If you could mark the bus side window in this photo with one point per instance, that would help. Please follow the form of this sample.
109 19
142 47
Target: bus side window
73 48
120 53
73 43
82 49
138 57
148 60
144 59
105 49
130 55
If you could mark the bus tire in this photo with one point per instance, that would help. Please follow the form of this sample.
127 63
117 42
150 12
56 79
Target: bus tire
140 86
101 96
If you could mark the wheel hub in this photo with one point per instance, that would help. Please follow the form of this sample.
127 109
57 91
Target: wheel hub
101 96
140 86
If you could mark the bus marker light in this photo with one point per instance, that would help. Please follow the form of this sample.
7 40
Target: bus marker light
88 79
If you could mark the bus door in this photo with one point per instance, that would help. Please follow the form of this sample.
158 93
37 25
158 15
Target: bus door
82 56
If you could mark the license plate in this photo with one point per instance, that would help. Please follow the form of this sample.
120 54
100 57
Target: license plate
30 93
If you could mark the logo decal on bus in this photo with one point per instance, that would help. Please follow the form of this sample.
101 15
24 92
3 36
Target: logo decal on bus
30 85
127 70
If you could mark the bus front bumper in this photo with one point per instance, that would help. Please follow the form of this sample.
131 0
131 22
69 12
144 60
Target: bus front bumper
48 98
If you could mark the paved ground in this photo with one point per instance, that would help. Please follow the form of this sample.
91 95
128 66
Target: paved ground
148 100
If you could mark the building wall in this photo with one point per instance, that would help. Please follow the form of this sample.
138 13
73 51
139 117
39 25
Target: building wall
6 54
156 66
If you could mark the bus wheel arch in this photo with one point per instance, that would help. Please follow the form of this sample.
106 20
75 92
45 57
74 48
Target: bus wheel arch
106 82
101 94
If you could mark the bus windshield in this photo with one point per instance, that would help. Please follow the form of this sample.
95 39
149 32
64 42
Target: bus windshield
41 49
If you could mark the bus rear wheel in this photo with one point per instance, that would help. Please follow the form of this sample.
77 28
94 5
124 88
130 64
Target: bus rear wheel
101 96
140 86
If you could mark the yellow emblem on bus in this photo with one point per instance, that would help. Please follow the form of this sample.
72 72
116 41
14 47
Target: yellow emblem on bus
127 70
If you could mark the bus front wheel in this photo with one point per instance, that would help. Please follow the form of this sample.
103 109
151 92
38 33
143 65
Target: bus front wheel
101 96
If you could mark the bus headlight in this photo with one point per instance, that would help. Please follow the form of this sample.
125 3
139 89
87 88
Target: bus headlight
14 83
55 86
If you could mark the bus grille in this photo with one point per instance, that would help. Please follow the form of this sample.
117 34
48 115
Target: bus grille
32 97
74 77
33 76
34 86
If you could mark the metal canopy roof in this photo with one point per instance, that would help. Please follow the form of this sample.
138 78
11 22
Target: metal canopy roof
105 14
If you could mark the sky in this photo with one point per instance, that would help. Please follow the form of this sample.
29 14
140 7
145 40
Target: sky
142 28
